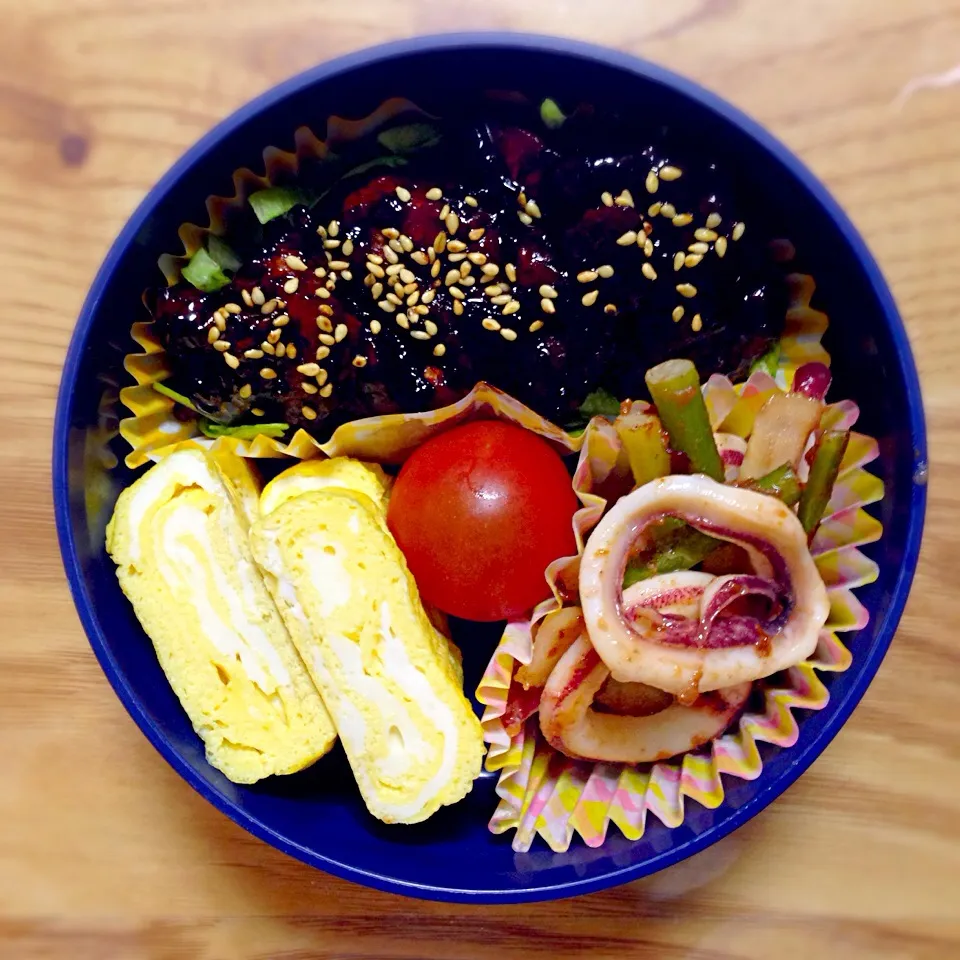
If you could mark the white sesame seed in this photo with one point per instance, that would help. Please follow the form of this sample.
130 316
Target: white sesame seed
309 369
456 246
429 295
391 255
533 210
669 173
606 271
627 239
458 308
232 307
547 291
247 299
253 354
476 233
295 263
396 298
322 354
456 257
340 331
308 387
440 242
525 218
434 193
452 223
386 306
245 391
231 360
625 199
222 346
678 260
704 235
402 321
327 339
257 296
547 306
535 326
696 324
477 258
439 350
698 247
323 293
686 290
435 268
610 308
692 259
267 373
430 327
714 221
488 323
738 231
511 271
648 271
508 334
444 211
359 361
331 244
326 391
607 198
407 277
470 201
584 276
268 307
654 209
403 194
648 247
589 299
677 314
213 335
500 299
652 182
457 293
419 334
291 286
333 227
267 348
721 246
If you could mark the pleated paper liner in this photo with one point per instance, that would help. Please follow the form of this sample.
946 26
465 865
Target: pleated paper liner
543 793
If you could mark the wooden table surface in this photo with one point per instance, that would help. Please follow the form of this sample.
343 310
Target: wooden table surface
105 853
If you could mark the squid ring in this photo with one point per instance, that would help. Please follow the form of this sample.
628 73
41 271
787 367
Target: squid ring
573 727
682 655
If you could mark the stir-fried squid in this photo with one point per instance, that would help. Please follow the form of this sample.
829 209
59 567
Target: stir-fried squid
727 630
572 724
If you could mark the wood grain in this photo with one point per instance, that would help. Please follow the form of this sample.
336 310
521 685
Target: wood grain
105 854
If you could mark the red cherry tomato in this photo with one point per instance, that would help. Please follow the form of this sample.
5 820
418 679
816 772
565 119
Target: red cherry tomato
479 512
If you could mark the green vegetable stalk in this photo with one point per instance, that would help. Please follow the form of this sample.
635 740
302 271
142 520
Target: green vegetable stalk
675 388
642 441
823 475
781 483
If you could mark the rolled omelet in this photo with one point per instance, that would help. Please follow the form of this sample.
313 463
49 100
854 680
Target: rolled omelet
384 671
179 539
345 473
338 472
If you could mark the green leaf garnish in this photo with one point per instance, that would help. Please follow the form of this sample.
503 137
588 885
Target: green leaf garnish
173 395
204 273
551 114
376 162
246 431
276 201
222 254
600 403
409 138
769 362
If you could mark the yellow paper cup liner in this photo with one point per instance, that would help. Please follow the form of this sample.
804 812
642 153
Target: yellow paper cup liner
543 793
